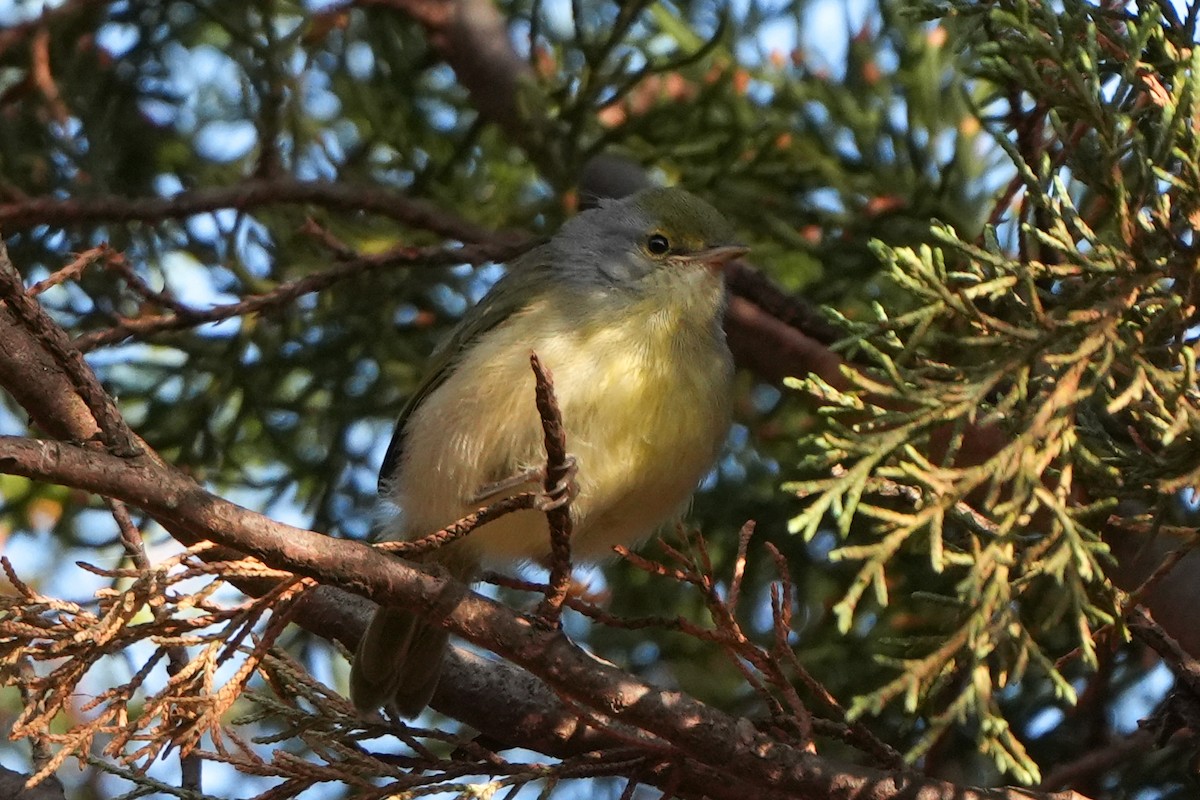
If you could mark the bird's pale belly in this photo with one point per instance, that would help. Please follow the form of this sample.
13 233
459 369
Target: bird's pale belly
643 428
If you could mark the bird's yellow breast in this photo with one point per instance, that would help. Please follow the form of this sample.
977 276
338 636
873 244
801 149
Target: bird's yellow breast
644 394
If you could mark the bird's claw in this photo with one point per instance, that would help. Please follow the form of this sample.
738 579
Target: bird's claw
490 490
565 488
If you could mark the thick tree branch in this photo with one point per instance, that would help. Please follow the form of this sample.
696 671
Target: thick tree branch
32 377
28 313
530 714
773 350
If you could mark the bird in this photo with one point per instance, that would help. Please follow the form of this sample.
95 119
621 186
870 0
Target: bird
624 305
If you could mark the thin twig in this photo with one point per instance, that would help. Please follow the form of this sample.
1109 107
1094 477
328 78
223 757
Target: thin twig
1132 601
116 262
1098 761
285 293
1185 667
462 527
341 251
73 270
559 514
43 77
246 196
739 564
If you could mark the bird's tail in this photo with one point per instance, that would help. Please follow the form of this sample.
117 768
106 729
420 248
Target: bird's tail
397 663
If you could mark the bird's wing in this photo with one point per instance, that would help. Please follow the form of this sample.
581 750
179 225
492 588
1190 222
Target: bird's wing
505 297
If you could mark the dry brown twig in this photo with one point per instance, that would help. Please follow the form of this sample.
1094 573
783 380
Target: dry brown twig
768 671
558 515
73 639
177 656
73 270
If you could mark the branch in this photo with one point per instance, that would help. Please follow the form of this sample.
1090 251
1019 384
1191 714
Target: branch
697 731
773 350
31 375
1098 761
245 196
472 37
529 714
12 785
1185 668
21 33
285 293
28 314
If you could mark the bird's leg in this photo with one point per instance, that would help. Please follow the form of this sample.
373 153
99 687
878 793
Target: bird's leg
563 491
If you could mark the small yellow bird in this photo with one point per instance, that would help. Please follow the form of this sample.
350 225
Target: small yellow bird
624 305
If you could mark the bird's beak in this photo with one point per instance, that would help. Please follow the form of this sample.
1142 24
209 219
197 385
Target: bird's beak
716 258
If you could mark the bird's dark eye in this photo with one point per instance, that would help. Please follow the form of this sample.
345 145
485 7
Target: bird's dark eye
658 245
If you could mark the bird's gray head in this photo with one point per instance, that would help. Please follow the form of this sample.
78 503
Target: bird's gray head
624 241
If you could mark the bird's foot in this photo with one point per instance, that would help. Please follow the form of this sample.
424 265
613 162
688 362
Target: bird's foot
564 490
